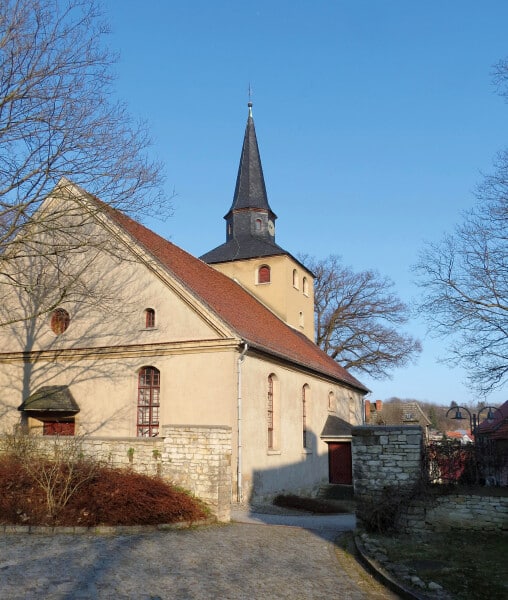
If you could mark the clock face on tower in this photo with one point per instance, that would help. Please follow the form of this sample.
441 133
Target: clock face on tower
271 227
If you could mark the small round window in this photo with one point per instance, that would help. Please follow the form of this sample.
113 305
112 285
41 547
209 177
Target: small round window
60 320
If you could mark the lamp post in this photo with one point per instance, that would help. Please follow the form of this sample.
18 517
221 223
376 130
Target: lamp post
474 419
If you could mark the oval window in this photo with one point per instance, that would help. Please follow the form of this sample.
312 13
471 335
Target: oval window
60 320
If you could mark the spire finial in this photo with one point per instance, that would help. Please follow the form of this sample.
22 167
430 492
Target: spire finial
250 101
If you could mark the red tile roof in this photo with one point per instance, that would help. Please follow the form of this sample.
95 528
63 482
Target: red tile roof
498 427
235 306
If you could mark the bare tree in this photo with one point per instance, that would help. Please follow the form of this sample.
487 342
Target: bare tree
357 318
465 284
465 279
58 116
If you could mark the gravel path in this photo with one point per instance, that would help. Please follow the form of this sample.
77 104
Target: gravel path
234 561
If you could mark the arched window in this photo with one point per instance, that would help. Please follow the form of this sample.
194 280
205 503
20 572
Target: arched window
305 284
305 399
331 401
296 282
148 402
258 224
149 318
272 412
264 274
60 320
301 319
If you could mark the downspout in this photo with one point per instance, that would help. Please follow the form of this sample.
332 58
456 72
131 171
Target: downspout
241 358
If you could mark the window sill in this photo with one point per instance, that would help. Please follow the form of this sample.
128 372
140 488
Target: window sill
306 451
148 329
273 452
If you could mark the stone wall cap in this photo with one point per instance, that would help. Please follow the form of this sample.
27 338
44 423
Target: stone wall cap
359 429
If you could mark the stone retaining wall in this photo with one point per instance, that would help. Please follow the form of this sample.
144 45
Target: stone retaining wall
193 457
391 457
446 513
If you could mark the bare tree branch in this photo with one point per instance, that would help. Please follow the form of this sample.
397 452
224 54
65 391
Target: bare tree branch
358 318
465 279
58 116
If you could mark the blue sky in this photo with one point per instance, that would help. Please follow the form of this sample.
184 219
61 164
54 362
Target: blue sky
375 120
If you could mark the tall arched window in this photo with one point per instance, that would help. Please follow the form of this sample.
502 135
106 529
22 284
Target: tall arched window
264 274
331 401
273 412
296 281
149 318
305 399
270 413
148 402
258 224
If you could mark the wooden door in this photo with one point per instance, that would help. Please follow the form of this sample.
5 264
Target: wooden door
58 428
340 463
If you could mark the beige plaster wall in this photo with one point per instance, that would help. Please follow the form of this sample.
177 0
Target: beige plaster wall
105 388
288 466
110 313
287 301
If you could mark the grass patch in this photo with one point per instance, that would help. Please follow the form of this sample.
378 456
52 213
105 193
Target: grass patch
105 496
469 565
313 505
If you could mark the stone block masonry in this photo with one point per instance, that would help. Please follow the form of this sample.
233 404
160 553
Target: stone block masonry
456 512
199 459
196 458
391 457
385 456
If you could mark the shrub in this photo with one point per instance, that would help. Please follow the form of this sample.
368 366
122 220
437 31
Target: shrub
52 482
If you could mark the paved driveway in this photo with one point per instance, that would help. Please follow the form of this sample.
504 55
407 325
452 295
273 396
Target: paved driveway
242 560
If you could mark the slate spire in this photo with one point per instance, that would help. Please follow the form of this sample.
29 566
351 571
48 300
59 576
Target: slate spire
250 222
250 189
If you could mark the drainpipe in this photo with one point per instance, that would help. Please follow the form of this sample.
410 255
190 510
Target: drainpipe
241 358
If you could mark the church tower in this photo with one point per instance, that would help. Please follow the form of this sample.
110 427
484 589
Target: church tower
250 254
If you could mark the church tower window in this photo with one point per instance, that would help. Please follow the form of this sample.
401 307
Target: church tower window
296 282
264 274
305 284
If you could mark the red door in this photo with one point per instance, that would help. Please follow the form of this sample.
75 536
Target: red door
340 463
58 428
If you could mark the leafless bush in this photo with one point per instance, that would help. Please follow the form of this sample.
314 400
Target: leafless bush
56 464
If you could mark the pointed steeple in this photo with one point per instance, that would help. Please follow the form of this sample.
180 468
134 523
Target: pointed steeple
250 189
250 222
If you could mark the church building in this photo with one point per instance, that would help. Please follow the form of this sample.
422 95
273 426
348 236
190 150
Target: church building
128 332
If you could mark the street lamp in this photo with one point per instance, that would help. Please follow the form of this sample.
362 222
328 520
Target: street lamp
474 419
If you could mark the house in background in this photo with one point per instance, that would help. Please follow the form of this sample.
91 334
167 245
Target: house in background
149 335
397 413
